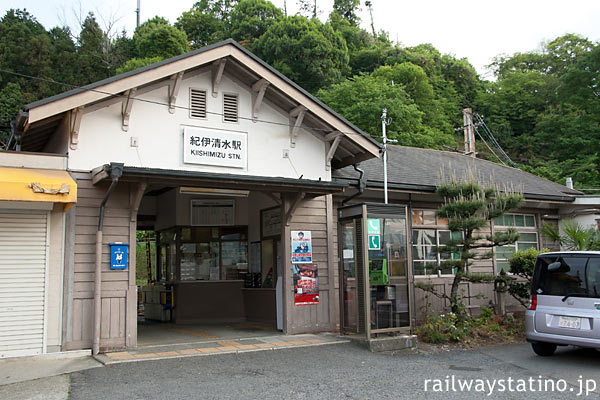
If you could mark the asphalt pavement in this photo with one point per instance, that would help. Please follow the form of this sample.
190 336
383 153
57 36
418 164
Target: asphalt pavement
348 371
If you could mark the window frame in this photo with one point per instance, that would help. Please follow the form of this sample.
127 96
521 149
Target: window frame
501 263
437 228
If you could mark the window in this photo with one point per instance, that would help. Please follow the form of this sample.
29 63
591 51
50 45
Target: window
525 225
230 107
429 233
427 259
515 221
197 103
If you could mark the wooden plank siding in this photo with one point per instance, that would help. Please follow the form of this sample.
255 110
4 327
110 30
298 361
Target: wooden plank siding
115 284
312 215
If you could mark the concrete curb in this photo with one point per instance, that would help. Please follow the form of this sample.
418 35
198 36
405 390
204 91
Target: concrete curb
108 361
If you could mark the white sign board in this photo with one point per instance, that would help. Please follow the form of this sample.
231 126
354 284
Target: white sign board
215 147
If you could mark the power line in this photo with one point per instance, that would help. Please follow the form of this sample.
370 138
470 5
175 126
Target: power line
118 95
493 140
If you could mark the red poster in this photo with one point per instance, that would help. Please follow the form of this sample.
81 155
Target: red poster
306 284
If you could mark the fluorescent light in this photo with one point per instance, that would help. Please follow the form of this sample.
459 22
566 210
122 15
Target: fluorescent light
213 192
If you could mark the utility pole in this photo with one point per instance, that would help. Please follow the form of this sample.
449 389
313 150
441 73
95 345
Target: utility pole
469 132
385 122
137 11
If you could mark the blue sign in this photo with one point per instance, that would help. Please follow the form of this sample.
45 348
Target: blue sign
118 255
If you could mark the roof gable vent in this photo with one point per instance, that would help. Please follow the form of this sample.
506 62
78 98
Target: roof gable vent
197 103
230 107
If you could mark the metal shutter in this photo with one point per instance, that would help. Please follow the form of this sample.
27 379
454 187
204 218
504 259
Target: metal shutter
23 257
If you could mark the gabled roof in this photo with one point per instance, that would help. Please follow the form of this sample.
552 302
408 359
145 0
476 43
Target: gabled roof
415 169
353 146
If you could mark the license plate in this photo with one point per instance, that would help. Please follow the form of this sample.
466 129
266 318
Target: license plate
569 322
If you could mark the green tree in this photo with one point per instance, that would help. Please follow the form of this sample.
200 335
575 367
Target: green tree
136 63
521 266
206 22
575 236
307 51
25 48
157 38
469 208
250 19
11 101
92 53
362 99
347 10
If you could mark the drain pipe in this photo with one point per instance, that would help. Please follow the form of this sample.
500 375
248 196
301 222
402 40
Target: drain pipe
362 184
115 171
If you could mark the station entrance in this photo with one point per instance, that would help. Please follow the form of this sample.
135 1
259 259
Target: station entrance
208 265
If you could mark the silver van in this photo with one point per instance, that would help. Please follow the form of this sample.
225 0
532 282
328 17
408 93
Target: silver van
565 301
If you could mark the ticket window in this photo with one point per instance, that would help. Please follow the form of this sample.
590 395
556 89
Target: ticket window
203 253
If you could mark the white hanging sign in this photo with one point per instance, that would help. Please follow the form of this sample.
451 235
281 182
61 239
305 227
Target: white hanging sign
215 147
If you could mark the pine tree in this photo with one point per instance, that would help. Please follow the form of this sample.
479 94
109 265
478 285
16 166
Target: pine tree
469 207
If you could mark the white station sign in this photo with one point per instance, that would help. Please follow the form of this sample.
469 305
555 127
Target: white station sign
215 147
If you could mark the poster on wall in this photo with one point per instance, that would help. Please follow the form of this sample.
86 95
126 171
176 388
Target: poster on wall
301 247
306 284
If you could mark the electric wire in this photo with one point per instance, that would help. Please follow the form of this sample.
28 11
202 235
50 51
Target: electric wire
488 146
123 96
495 143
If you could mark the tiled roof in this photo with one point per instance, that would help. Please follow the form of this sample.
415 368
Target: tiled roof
411 168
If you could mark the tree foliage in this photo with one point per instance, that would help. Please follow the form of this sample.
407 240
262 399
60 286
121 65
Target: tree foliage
469 208
309 52
543 106
521 266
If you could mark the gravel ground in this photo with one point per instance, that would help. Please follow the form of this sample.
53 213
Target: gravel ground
343 371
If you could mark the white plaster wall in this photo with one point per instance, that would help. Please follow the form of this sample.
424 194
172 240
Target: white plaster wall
160 135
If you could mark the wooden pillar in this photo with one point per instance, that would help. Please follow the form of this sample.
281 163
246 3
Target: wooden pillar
334 305
135 198
286 262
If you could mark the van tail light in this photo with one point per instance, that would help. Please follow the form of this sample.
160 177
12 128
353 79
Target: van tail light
533 302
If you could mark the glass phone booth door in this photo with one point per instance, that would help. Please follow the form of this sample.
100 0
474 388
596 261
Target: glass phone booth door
376 280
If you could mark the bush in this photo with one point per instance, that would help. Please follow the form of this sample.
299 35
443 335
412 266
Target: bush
521 265
486 329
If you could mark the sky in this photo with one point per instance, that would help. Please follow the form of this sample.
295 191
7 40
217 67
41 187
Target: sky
476 29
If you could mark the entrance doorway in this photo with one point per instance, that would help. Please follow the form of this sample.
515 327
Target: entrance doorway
213 274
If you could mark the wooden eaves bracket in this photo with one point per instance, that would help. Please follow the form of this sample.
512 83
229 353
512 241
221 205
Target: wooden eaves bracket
296 118
126 105
174 90
331 148
258 94
74 124
217 74
295 203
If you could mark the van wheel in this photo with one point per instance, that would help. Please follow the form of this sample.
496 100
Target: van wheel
543 349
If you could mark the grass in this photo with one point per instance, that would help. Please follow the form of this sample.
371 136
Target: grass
487 329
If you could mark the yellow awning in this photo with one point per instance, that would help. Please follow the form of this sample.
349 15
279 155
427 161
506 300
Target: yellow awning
49 185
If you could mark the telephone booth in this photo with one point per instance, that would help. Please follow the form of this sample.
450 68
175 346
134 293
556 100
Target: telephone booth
375 274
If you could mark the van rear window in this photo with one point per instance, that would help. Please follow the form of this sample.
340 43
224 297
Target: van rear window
576 275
